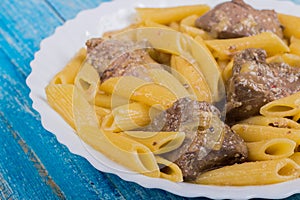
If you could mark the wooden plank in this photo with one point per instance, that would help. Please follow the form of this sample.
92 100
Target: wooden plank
17 165
72 174
69 9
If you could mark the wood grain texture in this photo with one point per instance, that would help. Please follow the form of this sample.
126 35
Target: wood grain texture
33 164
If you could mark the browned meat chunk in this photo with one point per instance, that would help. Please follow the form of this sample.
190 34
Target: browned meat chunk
255 83
238 19
208 144
114 58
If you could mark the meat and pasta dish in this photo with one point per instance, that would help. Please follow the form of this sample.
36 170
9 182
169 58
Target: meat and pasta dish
191 93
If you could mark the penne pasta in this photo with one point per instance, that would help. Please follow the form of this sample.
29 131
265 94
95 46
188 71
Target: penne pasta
158 142
252 173
279 122
191 77
225 49
187 25
227 72
136 89
109 101
68 73
122 150
295 45
296 117
164 78
284 107
270 149
149 23
171 14
126 117
169 170
60 98
254 133
291 25
296 157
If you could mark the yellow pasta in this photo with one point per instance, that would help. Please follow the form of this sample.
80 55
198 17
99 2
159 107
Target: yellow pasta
171 14
164 78
227 72
288 58
284 107
109 101
187 25
296 117
149 23
279 122
60 98
254 133
291 25
252 173
136 89
68 73
224 49
169 170
125 151
296 157
270 149
295 45
192 77
158 142
126 117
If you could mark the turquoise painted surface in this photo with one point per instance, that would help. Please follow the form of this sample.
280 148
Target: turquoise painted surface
33 164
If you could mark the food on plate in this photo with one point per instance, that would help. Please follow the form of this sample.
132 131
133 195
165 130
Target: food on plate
169 97
211 146
255 83
237 19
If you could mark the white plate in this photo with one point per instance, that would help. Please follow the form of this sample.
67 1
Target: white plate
56 50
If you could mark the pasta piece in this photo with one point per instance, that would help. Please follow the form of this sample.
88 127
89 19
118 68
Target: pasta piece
288 58
252 173
284 107
136 89
149 23
291 25
68 73
191 77
295 45
101 113
254 133
279 122
122 150
164 78
126 117
60 98
110 101
174 25
224 49
169 170
170 14
158 142
109 34
296 117
270 149
187 25
296 157
227 72
291 59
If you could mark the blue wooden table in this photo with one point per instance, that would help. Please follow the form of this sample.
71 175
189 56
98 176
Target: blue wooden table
33 164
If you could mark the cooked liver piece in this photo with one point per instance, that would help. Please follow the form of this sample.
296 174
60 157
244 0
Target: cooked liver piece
114 58
254 83
208 144
237 19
